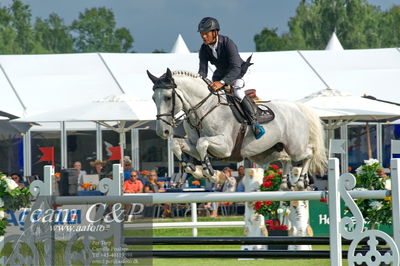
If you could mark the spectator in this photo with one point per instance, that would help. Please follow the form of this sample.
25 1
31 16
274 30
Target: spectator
239 179
133 185
151 186
17 178
98 168
230 182
127 168
381 173
78 166
143 176
228 186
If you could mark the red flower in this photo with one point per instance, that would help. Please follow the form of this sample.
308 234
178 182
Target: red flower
267 184
257 205
270 176
277 227
280 172
267 203
274 166
269 222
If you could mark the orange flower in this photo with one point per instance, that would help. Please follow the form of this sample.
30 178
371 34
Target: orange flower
145 172
86 186
196 183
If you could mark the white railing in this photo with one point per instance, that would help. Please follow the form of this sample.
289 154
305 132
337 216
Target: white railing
339 227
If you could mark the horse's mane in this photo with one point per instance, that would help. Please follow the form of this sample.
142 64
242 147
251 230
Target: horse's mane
186 73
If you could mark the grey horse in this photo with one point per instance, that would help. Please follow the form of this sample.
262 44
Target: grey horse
212 128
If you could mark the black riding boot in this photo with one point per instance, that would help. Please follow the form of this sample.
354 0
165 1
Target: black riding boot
251 113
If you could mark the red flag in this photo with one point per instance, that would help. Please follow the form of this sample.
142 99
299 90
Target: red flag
115 153
47 154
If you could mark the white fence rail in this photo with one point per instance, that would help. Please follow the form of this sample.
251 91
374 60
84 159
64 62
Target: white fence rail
339 188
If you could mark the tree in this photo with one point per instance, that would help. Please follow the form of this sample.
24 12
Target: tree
159 51
95 32
53 35
16 33
7 33
389 27
357 25
268 40
21 21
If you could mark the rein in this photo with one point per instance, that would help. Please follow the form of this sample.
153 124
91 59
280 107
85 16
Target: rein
193 109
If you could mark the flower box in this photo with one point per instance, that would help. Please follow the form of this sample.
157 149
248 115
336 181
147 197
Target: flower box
279 232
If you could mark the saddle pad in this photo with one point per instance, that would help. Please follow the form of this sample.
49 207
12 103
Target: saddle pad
264 113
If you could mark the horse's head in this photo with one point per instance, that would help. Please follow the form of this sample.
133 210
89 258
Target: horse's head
168 103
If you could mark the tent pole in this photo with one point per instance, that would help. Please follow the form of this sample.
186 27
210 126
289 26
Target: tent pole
64 145
99 142
121 125
368 141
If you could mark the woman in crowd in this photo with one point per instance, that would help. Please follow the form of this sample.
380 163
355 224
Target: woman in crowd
98 168
17 179
151 186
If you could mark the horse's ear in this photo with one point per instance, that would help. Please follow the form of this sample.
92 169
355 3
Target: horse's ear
169 74
152 77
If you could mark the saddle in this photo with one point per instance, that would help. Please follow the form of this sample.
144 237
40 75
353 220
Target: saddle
264 113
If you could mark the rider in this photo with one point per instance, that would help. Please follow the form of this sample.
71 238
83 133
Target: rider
222 52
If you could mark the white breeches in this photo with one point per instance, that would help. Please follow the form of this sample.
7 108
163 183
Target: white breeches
238 88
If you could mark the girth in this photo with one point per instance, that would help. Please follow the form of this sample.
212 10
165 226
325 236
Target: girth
236 155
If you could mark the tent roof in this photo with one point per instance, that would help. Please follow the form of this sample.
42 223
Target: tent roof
32 84
334 105
334 43
180 46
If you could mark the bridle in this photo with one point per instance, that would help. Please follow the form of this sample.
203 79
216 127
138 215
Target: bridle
176 121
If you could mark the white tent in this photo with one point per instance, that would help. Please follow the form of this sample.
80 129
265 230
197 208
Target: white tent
341 108
334 43
180 46
32 84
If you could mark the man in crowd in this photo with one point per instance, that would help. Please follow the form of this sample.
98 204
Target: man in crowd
132 185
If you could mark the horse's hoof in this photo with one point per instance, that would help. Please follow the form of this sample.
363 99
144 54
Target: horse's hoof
208 172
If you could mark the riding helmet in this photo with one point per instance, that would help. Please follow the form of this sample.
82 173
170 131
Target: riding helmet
208 24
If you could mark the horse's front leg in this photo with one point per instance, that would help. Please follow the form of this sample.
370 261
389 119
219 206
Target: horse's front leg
185 151
221 147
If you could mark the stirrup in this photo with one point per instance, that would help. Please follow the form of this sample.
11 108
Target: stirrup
262 131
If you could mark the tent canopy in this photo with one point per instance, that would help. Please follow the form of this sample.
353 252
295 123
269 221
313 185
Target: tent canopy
33 84
333 105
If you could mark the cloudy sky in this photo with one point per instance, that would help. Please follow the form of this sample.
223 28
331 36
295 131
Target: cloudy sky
155 24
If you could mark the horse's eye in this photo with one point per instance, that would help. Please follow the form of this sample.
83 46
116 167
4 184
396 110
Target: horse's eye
168 98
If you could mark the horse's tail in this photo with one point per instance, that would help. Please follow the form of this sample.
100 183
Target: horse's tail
319 162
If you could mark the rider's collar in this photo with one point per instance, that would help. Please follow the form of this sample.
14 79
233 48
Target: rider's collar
214 46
